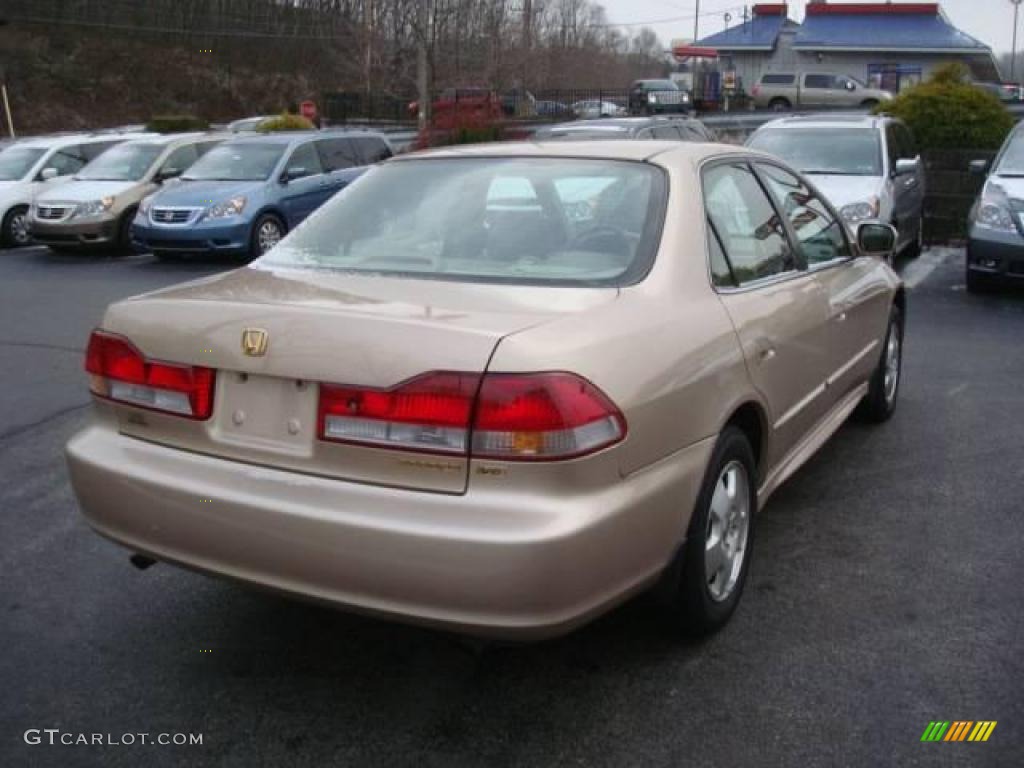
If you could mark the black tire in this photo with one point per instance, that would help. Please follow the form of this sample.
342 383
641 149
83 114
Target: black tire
124 232
914 249
879 403
255 248
12 234
694 607
779 104
979 283
869 103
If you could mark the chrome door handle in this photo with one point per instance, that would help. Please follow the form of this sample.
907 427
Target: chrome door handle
767 353
841 317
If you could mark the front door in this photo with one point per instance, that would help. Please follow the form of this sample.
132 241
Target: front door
306 186
779 310
856 313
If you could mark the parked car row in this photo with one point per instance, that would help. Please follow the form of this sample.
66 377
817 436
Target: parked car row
175 194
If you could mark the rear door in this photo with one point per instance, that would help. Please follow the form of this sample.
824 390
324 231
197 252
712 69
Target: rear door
341 160
817 91
779 310
303 194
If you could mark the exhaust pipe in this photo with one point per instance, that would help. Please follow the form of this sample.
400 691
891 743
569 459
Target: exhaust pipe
141 561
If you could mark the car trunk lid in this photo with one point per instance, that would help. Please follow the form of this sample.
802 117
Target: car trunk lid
319 327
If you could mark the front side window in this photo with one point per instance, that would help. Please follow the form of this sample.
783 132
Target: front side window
306 159
66 161
824 150
16 161
529 221
751 234
241 161
819 234
125 162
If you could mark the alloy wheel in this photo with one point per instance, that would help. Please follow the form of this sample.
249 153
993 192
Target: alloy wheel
268 236
893 358
725 541
19 229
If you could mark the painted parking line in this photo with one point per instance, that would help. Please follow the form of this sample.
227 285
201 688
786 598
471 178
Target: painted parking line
917 271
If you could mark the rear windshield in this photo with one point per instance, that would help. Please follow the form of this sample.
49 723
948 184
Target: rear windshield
236 162
831 150
125 162
583 132
1011 162
529 221
15 162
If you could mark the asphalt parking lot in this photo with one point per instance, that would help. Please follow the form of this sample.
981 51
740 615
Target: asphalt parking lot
885 593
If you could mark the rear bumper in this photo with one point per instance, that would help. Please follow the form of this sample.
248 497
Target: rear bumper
996 254
490 562
204 237
87 232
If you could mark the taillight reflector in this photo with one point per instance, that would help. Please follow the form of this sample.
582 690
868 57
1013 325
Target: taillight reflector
540 416
119 371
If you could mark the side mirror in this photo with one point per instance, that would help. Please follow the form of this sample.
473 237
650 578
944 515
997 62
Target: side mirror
48 173
904 166
978 167
293 173
875 238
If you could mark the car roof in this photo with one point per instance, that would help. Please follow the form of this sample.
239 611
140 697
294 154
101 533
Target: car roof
171 138
48 142
822 121
616 149
284 138
619 122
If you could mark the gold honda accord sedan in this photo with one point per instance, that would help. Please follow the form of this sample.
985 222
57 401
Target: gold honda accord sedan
498 389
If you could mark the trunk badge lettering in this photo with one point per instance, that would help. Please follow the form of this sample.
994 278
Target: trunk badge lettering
254 342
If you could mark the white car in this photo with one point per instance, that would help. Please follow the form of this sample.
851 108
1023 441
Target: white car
868 167
30 165
592 108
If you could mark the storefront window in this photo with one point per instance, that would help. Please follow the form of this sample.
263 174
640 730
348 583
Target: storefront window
893 77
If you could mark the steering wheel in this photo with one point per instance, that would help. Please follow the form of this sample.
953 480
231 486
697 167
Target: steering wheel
602 238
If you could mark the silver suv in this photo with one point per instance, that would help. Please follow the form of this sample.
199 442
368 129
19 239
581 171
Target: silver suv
868 167
788 90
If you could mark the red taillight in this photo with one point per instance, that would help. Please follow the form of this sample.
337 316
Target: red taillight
118 371
429 413
514 416
543 416
755 90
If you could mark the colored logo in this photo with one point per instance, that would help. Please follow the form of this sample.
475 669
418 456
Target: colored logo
958 730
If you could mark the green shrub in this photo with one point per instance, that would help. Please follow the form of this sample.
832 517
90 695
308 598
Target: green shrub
285 122
947 112
176 124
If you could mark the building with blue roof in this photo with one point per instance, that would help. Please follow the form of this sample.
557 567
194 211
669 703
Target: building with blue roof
885 45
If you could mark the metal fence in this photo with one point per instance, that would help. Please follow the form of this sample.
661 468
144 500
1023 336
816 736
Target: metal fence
951 191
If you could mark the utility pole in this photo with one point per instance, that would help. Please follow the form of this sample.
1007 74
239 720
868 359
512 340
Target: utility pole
1013 53
696 22
422 64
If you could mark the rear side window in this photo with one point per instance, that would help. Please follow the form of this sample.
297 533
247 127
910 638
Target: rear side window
338 154
667 132
818 81
371 149
753 238
778 79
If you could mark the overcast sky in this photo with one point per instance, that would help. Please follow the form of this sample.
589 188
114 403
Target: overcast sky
991 21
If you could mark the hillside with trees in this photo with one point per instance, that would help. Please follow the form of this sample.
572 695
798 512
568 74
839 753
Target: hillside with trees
85 63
